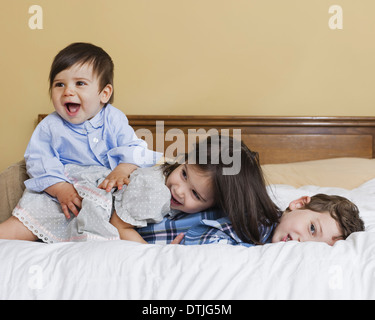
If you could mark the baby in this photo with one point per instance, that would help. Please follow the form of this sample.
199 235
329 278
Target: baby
85 128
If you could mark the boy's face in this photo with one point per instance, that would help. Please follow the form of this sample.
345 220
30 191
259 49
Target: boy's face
75 94
306 225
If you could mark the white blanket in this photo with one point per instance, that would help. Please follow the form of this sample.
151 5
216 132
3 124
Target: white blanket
126 270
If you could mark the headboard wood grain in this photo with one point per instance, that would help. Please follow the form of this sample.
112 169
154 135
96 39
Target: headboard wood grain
278 139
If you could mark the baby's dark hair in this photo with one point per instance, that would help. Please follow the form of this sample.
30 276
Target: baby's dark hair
242 197
344 211
82 53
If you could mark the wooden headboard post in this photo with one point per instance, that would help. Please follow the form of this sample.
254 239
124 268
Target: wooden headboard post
278 139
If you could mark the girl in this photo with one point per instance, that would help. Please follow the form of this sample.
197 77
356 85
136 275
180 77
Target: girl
151 194
242 197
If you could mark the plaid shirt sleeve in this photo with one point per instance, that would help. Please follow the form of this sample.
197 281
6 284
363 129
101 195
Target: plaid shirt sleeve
165 231
199 228
220 231
212 231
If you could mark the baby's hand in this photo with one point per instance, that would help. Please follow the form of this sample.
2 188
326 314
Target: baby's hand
118 177
68 197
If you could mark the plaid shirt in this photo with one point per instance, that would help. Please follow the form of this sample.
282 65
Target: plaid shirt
199 228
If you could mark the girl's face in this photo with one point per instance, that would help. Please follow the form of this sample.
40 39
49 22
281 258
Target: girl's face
75 94
191 189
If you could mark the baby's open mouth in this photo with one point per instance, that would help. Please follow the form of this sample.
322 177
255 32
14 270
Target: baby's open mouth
72 108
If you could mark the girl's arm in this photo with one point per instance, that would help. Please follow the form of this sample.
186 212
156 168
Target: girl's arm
178 239
126 230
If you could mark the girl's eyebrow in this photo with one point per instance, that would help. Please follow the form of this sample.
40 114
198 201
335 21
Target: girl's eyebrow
187 175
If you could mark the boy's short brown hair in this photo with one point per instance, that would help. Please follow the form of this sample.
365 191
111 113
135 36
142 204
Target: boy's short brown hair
345 212
82 53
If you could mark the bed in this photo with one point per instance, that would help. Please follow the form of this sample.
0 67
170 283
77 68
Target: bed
300 156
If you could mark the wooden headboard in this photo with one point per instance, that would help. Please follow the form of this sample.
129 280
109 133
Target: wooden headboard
278 139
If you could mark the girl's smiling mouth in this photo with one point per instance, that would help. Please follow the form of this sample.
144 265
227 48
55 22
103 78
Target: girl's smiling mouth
174 201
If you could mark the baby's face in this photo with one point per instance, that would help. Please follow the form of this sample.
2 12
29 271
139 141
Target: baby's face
306 225
75 94
191 190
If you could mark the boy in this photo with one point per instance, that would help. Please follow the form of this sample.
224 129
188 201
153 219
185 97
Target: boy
85 129
321 218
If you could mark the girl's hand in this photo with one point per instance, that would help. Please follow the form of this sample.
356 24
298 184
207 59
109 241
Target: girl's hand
178 239
68 197
118 177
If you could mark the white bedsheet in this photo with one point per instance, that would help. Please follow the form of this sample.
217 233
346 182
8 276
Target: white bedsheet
126 270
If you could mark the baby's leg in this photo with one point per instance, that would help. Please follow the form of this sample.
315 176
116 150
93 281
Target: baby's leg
13 229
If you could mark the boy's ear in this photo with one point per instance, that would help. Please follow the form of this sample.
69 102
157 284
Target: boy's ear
299 203
106 93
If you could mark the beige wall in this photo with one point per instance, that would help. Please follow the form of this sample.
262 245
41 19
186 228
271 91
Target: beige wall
211 57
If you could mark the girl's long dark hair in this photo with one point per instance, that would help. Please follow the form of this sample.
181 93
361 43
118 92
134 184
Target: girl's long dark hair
242 197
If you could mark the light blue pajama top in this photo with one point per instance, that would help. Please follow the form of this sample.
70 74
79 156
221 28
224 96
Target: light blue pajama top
106 140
